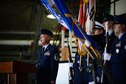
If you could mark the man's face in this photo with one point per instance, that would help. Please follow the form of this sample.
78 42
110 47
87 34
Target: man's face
44 39
98 32
117 29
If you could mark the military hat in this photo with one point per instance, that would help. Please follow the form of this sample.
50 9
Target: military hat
108 17
46 31
120 19
98 25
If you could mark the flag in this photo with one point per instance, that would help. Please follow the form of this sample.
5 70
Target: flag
50 6
83 13
82 18
89 24
66 18
86 17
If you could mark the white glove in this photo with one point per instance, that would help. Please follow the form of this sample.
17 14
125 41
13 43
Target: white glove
91 82
106 26
87 43
98 79
106 56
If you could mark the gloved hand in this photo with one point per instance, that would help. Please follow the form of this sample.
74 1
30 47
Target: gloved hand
106 56
91 82
106 26
97 79
87 43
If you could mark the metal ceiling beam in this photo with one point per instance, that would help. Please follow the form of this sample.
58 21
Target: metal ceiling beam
16 42
15 32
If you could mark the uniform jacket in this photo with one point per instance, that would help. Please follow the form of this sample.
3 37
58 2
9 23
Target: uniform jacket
111 39
48 63
118 60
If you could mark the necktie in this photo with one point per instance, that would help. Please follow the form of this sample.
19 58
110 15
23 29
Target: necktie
43 48
117 39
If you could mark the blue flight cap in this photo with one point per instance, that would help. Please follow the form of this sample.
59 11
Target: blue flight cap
108 17
120 19
46 31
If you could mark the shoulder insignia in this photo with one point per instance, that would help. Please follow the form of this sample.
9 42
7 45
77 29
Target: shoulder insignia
56 57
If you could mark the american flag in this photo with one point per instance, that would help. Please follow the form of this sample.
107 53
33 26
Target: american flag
86 17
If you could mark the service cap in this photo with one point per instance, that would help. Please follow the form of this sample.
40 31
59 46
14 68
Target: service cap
46 31
108 17
120 19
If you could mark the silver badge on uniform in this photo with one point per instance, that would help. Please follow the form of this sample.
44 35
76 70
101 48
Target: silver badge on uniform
117 50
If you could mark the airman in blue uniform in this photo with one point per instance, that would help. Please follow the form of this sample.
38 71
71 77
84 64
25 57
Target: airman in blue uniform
86 70
47 65
118 51
98 36
109 38
109 19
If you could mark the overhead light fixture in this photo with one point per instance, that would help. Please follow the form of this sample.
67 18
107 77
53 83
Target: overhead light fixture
50 16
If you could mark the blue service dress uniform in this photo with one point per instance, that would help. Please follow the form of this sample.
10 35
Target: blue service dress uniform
47 66
82 75
111 39
118 60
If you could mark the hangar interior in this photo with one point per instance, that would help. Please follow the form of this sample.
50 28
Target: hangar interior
21 21
20 24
